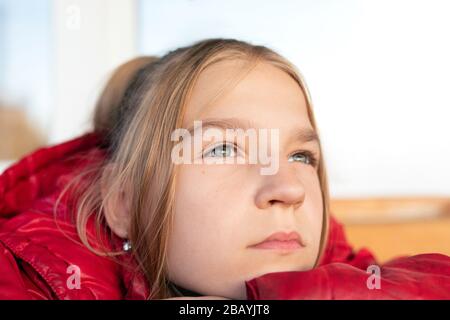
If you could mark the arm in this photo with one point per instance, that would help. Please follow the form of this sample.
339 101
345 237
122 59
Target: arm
425 276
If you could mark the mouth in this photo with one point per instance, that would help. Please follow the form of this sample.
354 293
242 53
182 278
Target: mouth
285 241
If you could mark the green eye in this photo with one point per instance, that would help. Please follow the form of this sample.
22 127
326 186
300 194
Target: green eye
222 151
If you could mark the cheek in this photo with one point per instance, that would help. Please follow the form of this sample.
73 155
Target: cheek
208 215
313 207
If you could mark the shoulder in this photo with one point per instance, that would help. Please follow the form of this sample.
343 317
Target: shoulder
36 247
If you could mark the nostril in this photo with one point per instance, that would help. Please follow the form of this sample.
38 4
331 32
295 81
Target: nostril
295 205
272 202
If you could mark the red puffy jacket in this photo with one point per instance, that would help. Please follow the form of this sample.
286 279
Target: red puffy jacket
37 249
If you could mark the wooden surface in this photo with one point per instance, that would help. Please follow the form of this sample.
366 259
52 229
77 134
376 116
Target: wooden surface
391 227
19 136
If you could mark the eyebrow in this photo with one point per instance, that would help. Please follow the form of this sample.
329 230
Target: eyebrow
224 123
302 134
306 135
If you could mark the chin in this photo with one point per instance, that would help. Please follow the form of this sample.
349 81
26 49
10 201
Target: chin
273 268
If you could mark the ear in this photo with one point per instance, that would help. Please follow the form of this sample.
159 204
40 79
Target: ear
117 207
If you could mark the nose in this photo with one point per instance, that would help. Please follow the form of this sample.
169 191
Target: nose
283 188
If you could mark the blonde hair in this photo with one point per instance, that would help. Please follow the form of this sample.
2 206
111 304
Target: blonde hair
107 109
140 147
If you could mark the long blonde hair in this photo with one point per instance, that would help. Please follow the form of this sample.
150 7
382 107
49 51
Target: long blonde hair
139 149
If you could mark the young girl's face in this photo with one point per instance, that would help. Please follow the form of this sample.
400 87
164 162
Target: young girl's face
223 210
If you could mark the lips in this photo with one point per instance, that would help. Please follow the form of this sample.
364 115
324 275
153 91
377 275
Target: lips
281 240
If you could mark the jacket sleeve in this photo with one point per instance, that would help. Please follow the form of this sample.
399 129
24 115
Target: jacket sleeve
425 276
18 281
344 273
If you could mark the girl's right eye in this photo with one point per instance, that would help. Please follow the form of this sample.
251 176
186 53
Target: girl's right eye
222 151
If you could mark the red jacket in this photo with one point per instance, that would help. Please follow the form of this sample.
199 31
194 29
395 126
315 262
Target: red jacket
37 248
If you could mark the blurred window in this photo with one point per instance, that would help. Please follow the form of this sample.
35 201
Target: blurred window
25 76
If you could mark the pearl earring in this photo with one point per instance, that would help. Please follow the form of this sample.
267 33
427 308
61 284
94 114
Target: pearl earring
127 245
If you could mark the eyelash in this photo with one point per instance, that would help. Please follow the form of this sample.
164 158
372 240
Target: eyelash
308 154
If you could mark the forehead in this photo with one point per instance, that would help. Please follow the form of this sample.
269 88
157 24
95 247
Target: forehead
264 94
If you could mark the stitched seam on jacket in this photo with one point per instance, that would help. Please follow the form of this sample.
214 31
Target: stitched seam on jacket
8 245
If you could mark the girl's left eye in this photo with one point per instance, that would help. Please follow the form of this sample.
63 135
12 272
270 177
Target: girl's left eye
223 150
305 156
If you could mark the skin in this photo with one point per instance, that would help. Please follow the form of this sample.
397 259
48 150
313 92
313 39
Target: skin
223 209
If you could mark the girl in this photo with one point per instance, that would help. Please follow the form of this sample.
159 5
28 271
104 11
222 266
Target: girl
116 215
